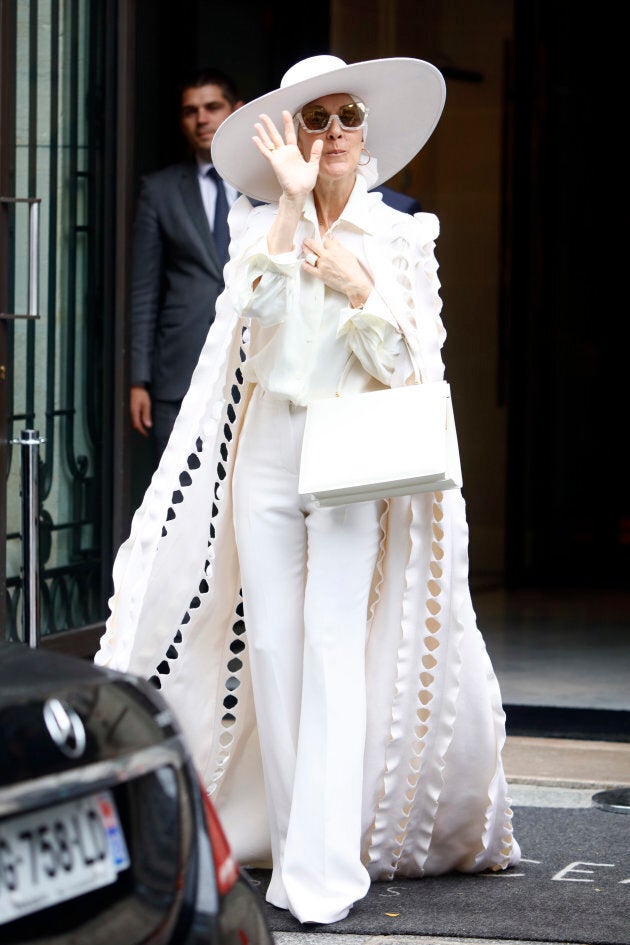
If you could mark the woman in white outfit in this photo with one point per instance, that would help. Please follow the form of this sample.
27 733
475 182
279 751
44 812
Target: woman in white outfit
343 712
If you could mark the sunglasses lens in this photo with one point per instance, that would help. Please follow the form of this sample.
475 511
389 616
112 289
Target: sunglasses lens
315 118
352 115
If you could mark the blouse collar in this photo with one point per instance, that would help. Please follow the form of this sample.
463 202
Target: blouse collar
356 212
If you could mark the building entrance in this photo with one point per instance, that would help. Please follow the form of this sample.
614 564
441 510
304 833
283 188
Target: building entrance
55 342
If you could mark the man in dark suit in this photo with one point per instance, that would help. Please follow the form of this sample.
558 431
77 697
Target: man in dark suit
179 250
399 201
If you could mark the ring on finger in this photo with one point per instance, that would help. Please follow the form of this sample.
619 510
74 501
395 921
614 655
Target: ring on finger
311 259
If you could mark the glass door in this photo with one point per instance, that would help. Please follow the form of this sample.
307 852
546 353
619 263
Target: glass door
54 341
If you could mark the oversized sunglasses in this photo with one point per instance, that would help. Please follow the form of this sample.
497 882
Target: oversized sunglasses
315 119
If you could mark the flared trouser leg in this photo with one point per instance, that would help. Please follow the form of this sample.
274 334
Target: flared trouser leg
306 576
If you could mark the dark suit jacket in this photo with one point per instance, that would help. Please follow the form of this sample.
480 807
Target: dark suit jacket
176 279
399 201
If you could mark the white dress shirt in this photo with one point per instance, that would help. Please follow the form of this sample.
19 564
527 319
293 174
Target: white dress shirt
209 191
303 333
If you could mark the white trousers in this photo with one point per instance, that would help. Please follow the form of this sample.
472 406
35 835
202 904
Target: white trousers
306 576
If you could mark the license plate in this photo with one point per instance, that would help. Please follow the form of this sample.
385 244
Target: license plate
59 853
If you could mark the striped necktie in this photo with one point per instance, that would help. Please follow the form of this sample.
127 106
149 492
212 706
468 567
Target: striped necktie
220 230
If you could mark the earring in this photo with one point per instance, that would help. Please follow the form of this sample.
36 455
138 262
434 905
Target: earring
369 157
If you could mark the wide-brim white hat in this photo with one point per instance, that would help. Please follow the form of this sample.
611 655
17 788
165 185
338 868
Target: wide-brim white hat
405 98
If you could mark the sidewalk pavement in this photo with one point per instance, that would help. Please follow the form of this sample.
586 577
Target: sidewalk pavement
566 763
541 772
329 938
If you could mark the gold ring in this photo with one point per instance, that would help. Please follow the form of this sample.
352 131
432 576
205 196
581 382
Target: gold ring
271 147
311 259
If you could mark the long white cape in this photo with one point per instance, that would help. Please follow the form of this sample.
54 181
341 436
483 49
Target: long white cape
435 795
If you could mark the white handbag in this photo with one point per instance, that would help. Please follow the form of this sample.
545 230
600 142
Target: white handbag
380 444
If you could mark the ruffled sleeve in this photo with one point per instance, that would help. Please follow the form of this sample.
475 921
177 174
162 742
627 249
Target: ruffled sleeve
427 281
420 304
276 278
374 337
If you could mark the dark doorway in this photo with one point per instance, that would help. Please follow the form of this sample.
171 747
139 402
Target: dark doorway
253 42
557 629
568 515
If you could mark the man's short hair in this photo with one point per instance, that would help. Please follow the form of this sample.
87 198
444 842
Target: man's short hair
208 76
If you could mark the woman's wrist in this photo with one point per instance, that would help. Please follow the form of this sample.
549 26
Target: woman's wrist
358 295
281 235
292 204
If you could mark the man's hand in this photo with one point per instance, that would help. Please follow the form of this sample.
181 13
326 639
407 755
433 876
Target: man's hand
140 410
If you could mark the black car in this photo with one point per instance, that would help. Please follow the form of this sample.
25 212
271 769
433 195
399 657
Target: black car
106 835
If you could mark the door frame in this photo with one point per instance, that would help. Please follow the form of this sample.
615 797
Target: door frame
7 70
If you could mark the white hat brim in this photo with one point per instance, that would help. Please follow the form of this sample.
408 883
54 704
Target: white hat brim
405 98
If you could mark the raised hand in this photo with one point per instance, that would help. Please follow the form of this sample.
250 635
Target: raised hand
295 175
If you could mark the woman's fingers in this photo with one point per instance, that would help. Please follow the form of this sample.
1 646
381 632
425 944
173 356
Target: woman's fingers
262 147
295 175
270 137
335 266
267 138
269 133
289 128
316 153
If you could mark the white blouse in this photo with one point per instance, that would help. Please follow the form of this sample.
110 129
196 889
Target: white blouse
303 334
